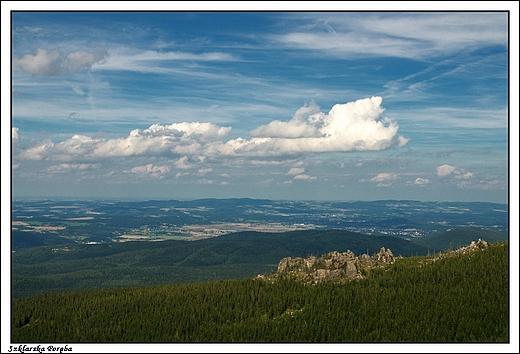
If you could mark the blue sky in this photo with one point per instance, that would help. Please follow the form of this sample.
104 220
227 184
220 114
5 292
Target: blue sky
279 105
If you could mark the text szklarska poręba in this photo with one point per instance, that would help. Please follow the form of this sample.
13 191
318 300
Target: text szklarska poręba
38 348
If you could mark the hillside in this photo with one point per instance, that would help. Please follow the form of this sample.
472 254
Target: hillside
455 238
461 298
70 267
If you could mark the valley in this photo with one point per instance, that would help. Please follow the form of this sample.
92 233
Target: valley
36 223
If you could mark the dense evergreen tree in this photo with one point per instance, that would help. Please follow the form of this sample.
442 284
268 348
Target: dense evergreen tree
464 298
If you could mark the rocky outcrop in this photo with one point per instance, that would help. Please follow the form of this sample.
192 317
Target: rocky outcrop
333 266
341 267
472 247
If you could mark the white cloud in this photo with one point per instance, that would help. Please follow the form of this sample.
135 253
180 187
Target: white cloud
384 177
155 56
51 63
203 171
445 170
39 152
65 167
151 170
183 164
421 181
149 61
255 162
462 175
304 177
175 139
402 141
354 126
405 35
457 118
295 171
15 133
298 127
180 174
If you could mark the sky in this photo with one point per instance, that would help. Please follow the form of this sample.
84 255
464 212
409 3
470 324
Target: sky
297 105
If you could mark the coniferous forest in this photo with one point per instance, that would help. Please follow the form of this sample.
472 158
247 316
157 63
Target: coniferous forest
464 298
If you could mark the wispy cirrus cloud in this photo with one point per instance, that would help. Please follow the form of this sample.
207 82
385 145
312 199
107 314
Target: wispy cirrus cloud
411 35
149 61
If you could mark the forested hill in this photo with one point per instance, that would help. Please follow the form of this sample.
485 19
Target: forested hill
461 298
46 269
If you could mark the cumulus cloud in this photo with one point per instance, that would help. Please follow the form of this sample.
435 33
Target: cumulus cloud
183 163
15 133
300 126
51 63
384 177
462 175
445 170
421 181
181 139
402 141
304 177
295 171
459 173
40 151
354 126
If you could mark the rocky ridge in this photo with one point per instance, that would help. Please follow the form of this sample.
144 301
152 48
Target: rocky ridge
333 266
344 266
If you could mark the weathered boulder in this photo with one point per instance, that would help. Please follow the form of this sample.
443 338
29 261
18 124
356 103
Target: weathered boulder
333 266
